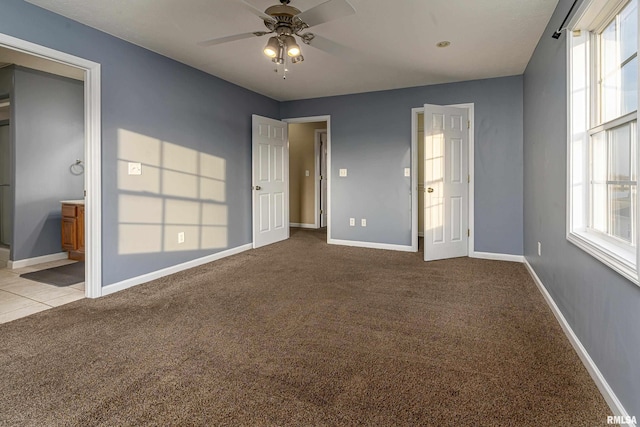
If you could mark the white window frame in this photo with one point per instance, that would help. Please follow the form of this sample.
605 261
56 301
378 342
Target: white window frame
591 17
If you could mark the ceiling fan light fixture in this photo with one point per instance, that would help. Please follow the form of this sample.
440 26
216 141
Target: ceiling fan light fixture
292 47
272 47
286 24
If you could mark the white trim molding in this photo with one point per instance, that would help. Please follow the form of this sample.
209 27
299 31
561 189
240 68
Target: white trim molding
92 153
298 225
317 180
612 400
371 245
28 262
496 257
134 281
414 179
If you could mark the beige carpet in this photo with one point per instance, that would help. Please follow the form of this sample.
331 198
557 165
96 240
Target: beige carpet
301 333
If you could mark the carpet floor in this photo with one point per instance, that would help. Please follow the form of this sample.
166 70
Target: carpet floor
303 333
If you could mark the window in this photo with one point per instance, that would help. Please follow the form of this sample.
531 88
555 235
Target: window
603 137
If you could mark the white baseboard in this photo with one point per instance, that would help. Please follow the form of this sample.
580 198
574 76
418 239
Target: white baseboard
371 245
12 265
134 281
606 391
497 257
298 225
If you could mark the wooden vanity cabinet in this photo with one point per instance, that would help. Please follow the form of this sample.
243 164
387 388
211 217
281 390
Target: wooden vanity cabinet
73 230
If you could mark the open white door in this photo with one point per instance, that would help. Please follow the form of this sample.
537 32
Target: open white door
270 180
446 182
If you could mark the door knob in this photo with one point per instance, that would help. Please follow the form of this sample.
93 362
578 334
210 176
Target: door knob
258 187
429 190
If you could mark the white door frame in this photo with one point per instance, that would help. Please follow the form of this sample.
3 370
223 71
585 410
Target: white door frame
318 183
326 119
92 153
414 176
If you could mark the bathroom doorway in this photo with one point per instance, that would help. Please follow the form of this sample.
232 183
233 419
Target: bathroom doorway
39 58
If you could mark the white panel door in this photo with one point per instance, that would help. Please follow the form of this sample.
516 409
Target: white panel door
446 166
270 181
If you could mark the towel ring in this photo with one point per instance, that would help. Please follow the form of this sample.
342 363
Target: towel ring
77 168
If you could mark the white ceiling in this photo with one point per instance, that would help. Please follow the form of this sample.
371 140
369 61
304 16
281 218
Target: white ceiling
393 42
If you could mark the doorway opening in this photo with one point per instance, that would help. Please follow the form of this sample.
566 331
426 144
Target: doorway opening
42 59
309 171
417 179
321 176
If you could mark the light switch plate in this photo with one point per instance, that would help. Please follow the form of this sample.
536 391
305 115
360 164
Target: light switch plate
135 168
306 173
343 172
407 171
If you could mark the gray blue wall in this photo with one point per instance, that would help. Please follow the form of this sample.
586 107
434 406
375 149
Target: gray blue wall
371 138
600 305
48 136
151 95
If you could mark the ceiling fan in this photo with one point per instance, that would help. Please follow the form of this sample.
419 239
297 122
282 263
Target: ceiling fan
286 22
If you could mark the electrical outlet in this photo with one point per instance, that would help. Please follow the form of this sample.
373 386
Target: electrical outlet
539 249
352 222
181 237
363 222
407 172
343 172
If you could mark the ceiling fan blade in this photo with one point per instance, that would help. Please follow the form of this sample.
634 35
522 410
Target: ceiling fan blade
332 48
325 12
251 8
226 39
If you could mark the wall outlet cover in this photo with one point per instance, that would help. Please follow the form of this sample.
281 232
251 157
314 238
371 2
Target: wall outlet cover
343 172
407 171
363 222
135 168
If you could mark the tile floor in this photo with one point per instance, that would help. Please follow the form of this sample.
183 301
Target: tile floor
21 297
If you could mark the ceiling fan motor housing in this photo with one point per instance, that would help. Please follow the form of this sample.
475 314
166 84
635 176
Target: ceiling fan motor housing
284 16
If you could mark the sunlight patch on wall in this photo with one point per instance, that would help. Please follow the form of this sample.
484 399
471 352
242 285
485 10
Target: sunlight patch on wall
176 204
434 178
212 178
148 182
139 238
